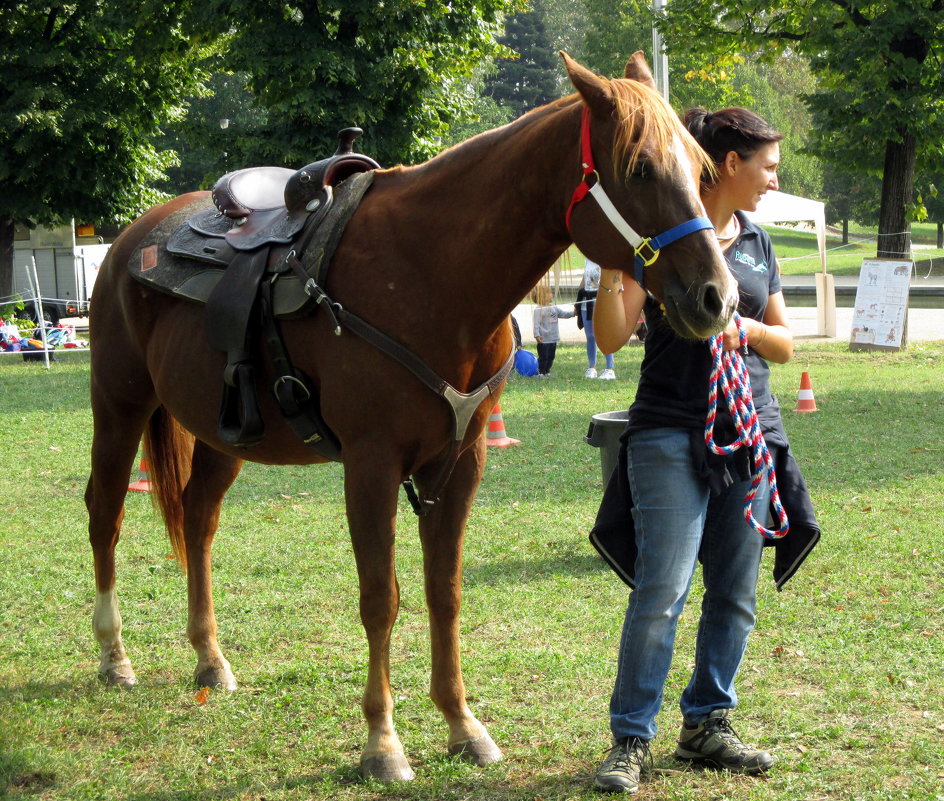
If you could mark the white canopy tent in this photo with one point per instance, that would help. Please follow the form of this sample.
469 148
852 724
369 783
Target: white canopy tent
775 207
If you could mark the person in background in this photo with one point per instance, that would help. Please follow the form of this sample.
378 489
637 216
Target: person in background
688 504
546 328
586 293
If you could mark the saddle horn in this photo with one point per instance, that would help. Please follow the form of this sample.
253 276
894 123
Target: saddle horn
346 139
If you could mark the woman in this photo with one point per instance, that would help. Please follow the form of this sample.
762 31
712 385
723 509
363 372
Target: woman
687 505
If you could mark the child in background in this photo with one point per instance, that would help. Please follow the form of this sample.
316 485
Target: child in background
546 329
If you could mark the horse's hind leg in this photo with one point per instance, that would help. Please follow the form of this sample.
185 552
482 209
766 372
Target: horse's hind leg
117 432
442 531
212 474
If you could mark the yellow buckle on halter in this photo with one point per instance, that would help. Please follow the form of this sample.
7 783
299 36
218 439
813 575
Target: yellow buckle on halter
646 260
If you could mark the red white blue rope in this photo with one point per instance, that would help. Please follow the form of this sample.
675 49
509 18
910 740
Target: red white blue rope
729 377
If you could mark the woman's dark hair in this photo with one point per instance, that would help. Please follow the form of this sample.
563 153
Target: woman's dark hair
737 129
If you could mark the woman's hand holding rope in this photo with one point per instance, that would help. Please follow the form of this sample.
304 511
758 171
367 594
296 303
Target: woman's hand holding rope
729 377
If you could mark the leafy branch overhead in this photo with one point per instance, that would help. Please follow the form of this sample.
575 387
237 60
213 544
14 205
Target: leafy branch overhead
879 101
400 70
84 87
91 92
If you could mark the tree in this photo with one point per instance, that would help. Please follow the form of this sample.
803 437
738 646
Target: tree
880 86
934 201
851 197
84 86
617 28
527 77
401 70
213 136
565 21
773 90
482 114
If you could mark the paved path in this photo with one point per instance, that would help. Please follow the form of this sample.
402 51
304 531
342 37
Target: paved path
923 324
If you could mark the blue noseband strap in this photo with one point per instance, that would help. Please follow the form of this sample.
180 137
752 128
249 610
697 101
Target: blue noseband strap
656 243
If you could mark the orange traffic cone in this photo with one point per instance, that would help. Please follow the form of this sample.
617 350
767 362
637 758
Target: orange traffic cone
142 484
805 400
496 430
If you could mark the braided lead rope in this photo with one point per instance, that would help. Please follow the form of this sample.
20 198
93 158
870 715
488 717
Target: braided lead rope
729 377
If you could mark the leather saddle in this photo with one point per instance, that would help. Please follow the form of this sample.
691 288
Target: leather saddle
261 206
264 223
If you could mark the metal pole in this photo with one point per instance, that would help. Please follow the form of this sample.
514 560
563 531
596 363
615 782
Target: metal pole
660 61
38 305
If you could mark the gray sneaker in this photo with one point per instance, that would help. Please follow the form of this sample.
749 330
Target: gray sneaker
620 771
715 743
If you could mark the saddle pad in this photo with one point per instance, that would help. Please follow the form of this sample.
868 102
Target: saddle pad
194 280
151 264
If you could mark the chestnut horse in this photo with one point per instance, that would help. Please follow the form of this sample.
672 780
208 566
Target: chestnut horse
436 256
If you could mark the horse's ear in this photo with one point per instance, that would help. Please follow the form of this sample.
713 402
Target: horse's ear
638 70
592 88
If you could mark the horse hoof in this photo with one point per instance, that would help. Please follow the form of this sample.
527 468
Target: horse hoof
121 676
387 768
480 752
216 679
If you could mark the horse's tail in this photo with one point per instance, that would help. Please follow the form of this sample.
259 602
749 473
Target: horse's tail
169 449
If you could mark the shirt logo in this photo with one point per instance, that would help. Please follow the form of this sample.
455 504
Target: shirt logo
750 261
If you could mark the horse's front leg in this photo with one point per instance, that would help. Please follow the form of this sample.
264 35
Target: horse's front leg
442 531
370 489
212 474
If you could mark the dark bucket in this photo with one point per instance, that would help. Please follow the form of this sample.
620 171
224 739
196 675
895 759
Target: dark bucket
604 433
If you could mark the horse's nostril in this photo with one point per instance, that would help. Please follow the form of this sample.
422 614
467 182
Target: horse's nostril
712 300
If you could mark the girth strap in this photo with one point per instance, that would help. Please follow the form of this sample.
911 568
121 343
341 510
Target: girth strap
293 389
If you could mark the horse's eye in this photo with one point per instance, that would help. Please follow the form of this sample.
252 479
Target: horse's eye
640 170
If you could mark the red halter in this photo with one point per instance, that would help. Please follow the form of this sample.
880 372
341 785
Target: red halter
645 249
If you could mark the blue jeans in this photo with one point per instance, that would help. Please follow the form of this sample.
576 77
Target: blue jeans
592 340
676 519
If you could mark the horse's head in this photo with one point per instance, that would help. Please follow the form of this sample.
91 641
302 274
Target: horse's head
642 168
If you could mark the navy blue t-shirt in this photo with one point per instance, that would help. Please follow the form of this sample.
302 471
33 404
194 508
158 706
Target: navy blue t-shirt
673 385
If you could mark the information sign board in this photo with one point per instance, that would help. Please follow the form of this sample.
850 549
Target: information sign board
880 318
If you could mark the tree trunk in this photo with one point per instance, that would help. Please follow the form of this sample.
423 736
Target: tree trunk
845 232
894 230
7 230
940 235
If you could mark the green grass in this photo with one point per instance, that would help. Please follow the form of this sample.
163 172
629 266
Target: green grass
842 678
798 253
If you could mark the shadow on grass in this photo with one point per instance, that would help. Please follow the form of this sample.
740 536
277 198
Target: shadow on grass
452 780
525 571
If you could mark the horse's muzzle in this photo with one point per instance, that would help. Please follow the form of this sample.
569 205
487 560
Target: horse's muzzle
701 312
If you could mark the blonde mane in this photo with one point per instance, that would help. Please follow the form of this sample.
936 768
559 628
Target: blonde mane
647 122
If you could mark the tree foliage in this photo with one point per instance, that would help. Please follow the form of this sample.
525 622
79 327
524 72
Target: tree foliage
879 100
615 30
210 140
527 77
401 70
851 196
84 87
773 90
